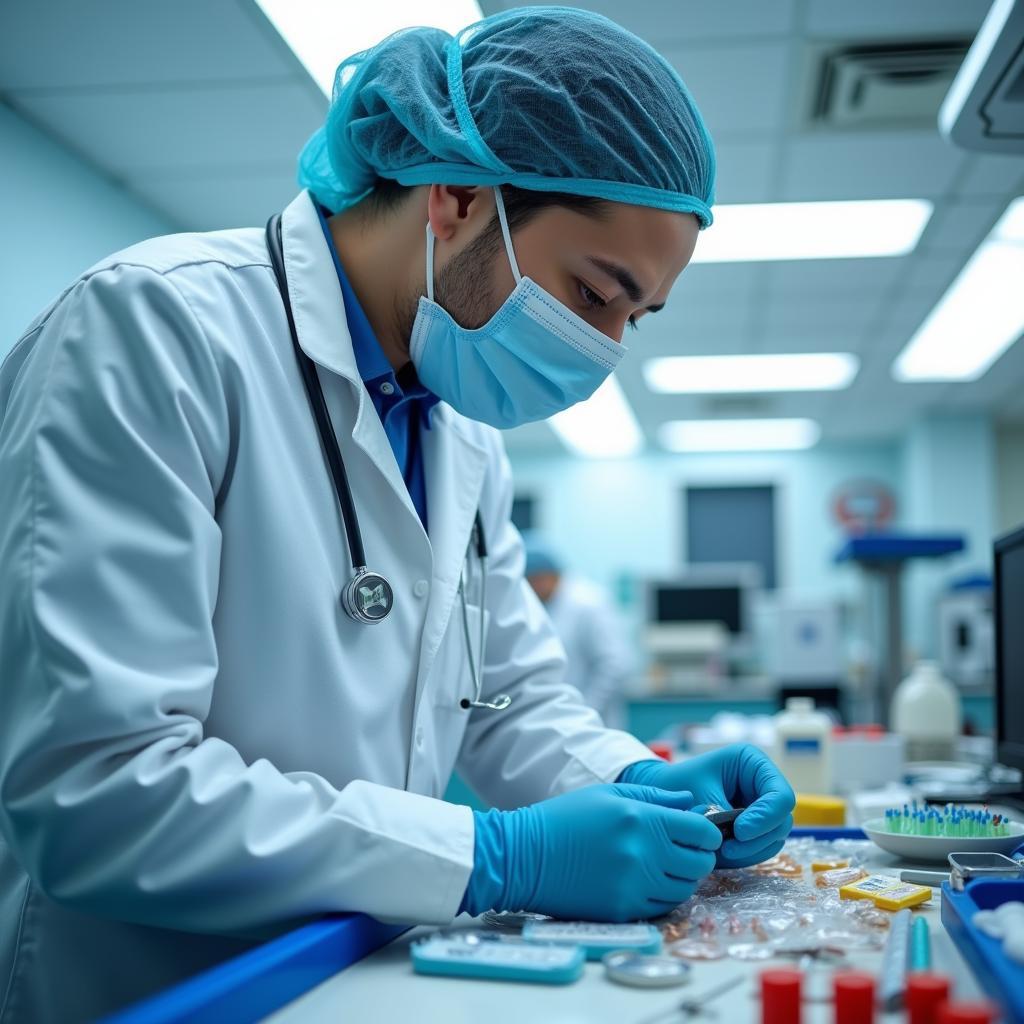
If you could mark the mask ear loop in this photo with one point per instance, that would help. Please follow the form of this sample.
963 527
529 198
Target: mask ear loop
430 263
503 220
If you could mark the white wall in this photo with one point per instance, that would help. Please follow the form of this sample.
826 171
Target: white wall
1010 469
59 216
613 517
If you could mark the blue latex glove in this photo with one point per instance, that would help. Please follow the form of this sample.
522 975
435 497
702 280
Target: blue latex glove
601 853
736 776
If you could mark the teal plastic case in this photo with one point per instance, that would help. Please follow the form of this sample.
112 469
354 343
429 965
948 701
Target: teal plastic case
595 939
497 960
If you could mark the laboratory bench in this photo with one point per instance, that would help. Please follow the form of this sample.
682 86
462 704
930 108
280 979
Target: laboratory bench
383 987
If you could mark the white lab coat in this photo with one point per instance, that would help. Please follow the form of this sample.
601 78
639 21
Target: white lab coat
594 638
194 738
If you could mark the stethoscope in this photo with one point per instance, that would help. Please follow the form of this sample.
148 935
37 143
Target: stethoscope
368 597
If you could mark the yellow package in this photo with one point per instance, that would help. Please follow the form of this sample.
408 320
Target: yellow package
886 892
814 809
828 865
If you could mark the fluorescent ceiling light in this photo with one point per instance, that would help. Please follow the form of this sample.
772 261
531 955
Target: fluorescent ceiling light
980 316
738 435
602 427
809 371
322 33
813 231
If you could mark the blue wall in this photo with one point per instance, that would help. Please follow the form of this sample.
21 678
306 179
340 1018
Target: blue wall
59 216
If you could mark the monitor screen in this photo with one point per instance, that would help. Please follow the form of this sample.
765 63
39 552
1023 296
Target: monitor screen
700 604
1009 616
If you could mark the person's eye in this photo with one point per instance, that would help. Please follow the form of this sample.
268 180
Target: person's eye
590 298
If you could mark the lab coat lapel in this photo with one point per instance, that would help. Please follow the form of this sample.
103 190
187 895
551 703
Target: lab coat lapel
319 312
455 467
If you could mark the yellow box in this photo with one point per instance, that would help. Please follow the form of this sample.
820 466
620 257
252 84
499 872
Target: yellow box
816 809
886 892
828 865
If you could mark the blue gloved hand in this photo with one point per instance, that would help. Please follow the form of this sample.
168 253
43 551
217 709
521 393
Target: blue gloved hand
601 853
736 776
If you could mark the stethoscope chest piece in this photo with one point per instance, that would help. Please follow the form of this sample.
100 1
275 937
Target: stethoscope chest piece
368 597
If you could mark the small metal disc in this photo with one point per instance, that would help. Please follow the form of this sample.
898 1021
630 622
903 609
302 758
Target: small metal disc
645 970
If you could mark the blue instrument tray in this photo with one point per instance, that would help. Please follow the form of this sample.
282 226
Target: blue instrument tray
996 973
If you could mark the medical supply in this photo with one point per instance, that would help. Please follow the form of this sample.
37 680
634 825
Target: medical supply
723 819
780 996
925 994
967 866
926 712
892 981
1005 924
839 877
782 865
815 809
920 945
953 821
594 938
695 1005
803 746
640 970
873 803
932 878
510 920
828 865
865 759
368 597
853 994
886 892
473 954
913 847
966 1013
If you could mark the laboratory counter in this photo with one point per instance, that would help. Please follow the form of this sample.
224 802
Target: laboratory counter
383 987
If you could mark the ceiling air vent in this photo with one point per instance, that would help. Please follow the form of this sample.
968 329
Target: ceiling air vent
882 85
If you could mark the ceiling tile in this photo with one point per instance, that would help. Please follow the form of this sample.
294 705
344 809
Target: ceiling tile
989 174
69 44
881 19
740 90
746 171
180 129
958 226
893 165
825 279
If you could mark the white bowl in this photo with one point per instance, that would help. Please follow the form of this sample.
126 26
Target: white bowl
938 848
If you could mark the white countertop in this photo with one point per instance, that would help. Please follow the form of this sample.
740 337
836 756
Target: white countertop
383 988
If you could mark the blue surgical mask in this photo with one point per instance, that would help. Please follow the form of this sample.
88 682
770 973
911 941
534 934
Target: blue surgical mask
533 358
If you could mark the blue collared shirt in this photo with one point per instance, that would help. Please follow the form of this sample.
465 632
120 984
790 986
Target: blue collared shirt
403 404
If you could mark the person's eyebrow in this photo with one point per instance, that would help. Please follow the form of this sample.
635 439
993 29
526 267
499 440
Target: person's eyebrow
624 278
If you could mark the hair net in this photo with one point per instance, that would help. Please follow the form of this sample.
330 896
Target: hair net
545 98
540 556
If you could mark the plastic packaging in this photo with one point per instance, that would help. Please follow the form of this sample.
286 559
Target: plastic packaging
886 892
926 712
803 738
839 877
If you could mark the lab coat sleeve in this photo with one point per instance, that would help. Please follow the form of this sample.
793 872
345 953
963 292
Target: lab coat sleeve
116 440
549 741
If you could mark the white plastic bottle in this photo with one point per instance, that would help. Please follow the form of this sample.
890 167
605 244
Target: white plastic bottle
926 711
803 746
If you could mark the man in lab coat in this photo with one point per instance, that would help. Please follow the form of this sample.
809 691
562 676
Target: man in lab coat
199 746
597 652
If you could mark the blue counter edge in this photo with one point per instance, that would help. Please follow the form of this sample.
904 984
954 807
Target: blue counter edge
252 986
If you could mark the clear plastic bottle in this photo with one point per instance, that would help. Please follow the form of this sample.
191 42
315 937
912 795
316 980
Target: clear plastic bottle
803 746
926 711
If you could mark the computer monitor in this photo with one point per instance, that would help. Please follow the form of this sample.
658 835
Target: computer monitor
1008 611
712 593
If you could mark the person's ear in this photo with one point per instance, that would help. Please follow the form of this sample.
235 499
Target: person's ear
452 209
